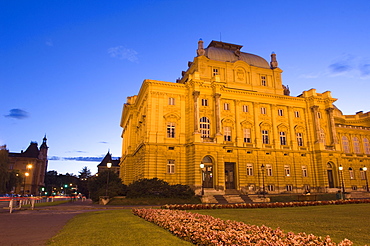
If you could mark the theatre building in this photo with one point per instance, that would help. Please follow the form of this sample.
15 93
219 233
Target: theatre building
230 125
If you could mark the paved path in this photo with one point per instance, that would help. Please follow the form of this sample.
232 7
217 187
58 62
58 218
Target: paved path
35 227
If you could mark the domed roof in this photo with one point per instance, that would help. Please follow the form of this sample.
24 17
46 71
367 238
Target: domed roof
226 52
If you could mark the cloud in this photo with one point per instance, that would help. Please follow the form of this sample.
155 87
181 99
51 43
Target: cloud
365 69
103 142
123 53
17 113
339 67
80 158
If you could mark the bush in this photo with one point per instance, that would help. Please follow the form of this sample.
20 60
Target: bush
158 188
98 185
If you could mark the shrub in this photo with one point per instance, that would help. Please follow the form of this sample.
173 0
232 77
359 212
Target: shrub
158 188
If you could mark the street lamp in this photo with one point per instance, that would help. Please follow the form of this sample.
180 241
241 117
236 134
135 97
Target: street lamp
202 168
26 174
342 179
109 165
367 184
263 180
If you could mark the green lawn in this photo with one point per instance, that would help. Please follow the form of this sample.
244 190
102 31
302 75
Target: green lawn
121 227
337 221
113 227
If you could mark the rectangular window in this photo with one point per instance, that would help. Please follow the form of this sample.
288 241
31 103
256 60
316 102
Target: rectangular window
287 170
289 187
304 171
245 108
297 114
226 106
268 170
282 138
270 187
362 174
204 102
300 139
170 166
280 112
263 110
215 71
247 135
171 130
351 173
265 137
263 80
249 169
227 133
171 101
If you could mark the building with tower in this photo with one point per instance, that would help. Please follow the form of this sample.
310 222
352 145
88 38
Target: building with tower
31 165
230 125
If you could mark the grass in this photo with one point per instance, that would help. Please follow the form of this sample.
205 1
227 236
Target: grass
113 227
337 221
121 227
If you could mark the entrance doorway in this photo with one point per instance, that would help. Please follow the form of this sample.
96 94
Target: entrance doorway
330 175
208 172
229 175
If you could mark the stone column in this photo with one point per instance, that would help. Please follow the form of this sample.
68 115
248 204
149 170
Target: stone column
332 126
196 111
217 97
316 122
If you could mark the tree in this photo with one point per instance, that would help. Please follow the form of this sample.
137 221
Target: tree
85 174
4 175
101 185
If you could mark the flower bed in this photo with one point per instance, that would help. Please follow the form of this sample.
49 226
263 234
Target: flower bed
263 205
207 230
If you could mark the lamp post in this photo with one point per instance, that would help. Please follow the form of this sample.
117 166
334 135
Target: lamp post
26 174
367 184
342 180
109 165
263 180
202 168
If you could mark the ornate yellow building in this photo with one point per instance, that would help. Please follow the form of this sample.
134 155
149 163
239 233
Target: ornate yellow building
231 112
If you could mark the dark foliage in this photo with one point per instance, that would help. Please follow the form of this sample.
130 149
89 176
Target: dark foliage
158 188
106 185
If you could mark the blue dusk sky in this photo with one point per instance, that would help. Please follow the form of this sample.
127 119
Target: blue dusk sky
67 67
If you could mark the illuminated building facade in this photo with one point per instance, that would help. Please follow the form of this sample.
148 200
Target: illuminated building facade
231 112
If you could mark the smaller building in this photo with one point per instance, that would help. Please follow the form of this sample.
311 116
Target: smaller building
103 165
31 165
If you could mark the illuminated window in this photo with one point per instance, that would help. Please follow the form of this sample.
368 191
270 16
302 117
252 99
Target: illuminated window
300 139
265 137
282 138
227 133
351 173
204 102
345 144
171 101
280 112
245 108
247 135
304 171
204 127
170 130
287 170
263 110
297 114
356 145
170 166
249 169
226 106
268 170
366 146
362 174
263 80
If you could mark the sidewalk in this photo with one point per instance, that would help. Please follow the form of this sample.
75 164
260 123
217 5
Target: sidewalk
35 227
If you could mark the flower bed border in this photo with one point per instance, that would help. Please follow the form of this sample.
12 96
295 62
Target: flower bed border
263 205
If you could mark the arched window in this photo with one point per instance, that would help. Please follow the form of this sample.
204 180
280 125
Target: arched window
345 144
204 127
351 173
366 146
356 145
